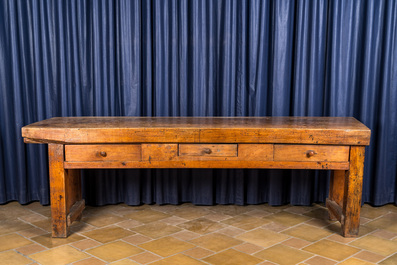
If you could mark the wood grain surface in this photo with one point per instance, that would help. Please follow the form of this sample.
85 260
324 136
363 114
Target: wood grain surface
303 130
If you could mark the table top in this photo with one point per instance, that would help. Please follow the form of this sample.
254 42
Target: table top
302 130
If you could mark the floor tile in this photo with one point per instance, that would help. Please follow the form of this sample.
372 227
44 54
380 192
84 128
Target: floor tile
108 234
90 261
12 241
232 257
186 235
86 244
386 222
198 253
339 238
246 222
287 219
375 244
363 230
299 209
262 237
44 224
283 255
216 242
30 249
175 220
318 213
190 213
13 225
231 210
331 250
145 258
231 231
81 227
275 227
370 256
33 217
156 229
125 262
167 246
248 248
137 239
390 260
296 243
147 216
178 259
114 251
13 258
308 233
258 213
384 234
102 220
48 241
129 224
201 226
372 212
216 229
320 260
354 261
32 232
59 256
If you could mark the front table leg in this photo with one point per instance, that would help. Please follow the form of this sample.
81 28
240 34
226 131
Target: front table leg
353 192
65 188
344 202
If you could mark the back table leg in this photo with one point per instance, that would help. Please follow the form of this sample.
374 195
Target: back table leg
65 185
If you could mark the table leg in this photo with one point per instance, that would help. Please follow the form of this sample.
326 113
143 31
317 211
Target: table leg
336 192
353 192
65 187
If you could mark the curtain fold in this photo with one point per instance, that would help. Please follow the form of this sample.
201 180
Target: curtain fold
197 58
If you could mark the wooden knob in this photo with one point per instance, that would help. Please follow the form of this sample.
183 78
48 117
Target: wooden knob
207 151
310 153
103 153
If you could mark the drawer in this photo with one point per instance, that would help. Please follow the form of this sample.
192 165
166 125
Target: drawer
303 153
105 152
208 150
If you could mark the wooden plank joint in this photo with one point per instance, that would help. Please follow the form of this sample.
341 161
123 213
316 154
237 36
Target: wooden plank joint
335 210
75 211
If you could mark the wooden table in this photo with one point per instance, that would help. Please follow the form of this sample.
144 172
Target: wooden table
326 143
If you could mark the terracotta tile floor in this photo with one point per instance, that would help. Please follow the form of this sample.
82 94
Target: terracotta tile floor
188 234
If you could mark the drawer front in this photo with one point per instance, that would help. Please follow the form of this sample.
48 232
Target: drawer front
106 152
303 153
208 150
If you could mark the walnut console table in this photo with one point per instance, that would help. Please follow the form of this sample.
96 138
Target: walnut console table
326 143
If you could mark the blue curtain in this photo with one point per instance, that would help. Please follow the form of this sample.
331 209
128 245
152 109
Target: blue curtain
197 58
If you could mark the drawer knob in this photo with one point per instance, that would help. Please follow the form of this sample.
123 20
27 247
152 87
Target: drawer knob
103 154
207 151
310 153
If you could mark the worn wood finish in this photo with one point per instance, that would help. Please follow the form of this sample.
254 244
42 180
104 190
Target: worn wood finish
303 130
334 210
105 152
244 142
209 162
255 152
75 212
336 189
286 152
208 150
353 192
65 187
169 152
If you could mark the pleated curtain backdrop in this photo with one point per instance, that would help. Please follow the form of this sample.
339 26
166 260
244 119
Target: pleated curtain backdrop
197 58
